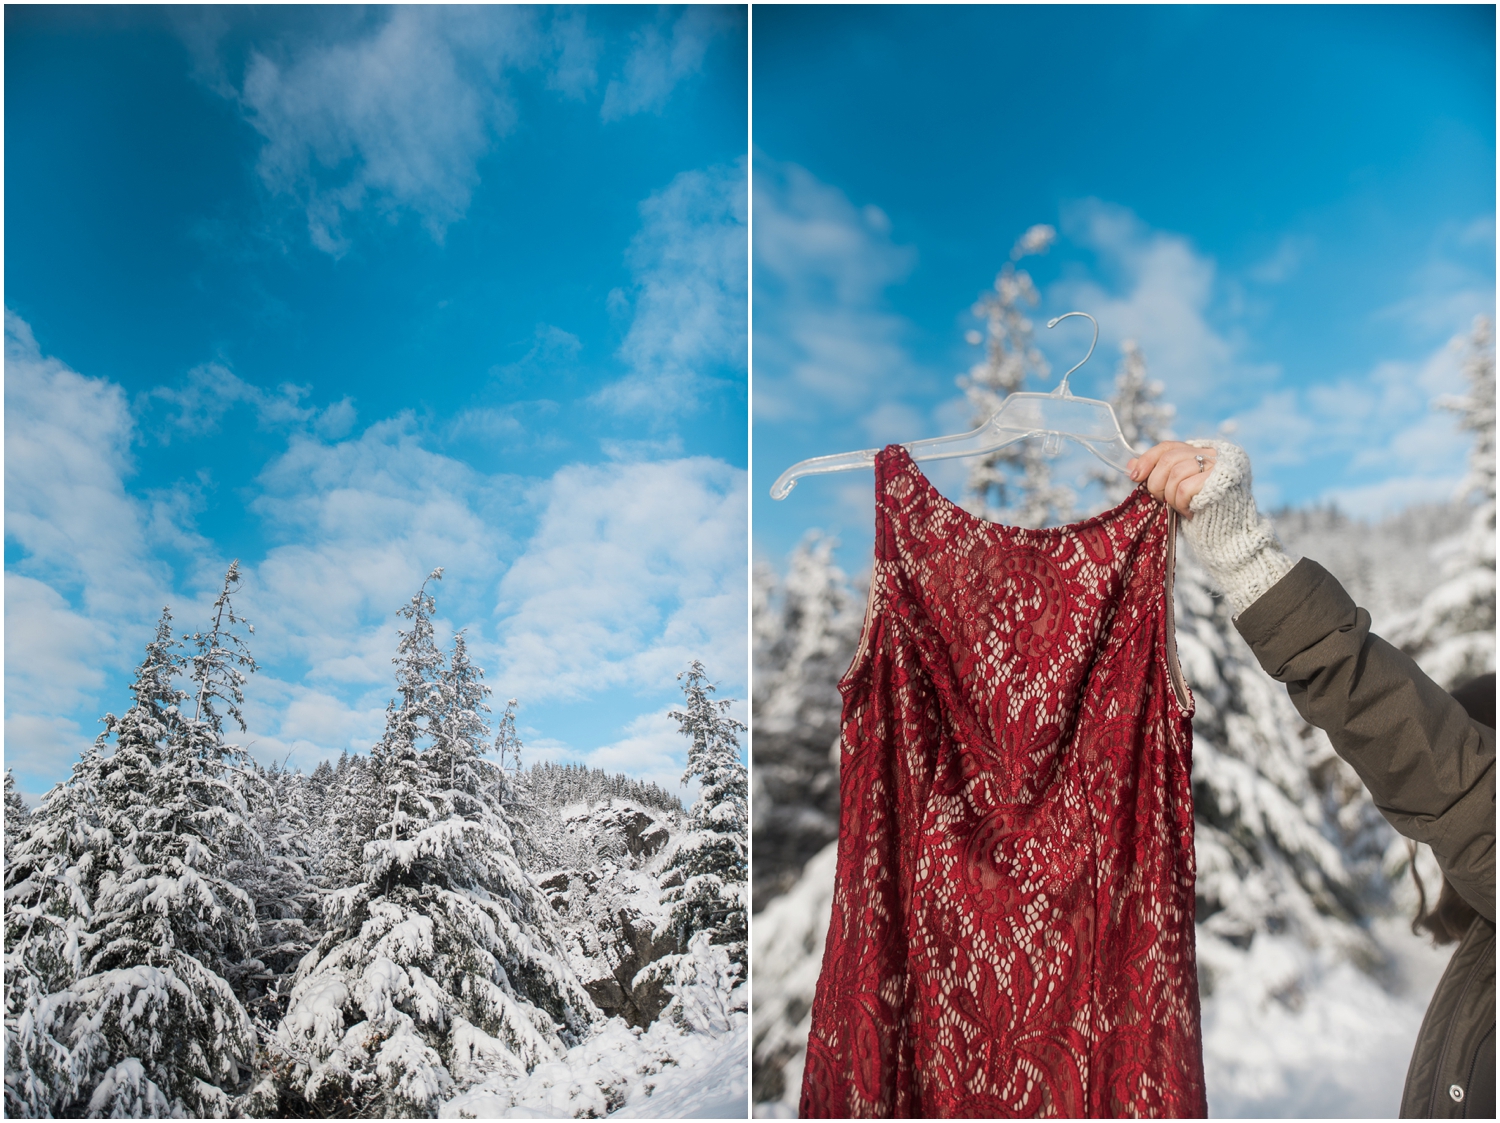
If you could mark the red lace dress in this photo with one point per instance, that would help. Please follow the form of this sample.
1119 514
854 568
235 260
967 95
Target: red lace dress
1012 925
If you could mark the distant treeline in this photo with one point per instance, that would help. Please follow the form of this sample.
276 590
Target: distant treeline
555 785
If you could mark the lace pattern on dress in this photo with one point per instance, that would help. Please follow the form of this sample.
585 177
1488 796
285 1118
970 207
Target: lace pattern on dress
1012 928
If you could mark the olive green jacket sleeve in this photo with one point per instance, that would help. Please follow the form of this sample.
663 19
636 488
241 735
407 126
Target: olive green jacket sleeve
1429 768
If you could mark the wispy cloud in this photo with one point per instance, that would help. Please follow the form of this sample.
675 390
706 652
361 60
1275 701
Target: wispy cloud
1379 428
824 335
600 577
575 72
1284 261
211 390
634 570
688 263
1455 283
398 116
1374 435
1154 286
660 58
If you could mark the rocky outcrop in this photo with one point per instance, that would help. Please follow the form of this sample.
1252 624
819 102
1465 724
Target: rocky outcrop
626 830
611 910
636 944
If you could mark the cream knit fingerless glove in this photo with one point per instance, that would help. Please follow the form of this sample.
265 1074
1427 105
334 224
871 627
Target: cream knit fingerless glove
1235 543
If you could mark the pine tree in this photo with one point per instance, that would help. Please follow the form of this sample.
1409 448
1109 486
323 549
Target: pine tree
352 808
709 908
121 922
805 628
714 858
1267 796
1013 485
1144 418
1452 633
17 816
443 964
277 870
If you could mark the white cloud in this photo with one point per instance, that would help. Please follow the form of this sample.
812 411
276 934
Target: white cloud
299 726
634 570
1162 294
1283 261
617 574
211 390
88 584
689 267
363 521
658 62
67 453
1381 424
51 651
823 335
42 748
399 116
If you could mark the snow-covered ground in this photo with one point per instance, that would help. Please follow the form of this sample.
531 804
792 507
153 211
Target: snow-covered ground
1334 1045
711 1080
660 1073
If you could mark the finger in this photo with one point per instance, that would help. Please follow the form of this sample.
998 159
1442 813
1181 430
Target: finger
1186 480
1181 472
1194 483
1156 481
1146 462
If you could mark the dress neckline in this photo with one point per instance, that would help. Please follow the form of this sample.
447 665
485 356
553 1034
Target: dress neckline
905 463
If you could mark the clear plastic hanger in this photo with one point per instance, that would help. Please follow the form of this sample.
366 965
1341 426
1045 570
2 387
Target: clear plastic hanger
1051 416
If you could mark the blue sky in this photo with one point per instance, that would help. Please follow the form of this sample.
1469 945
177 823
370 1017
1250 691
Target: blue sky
1290 208
353 293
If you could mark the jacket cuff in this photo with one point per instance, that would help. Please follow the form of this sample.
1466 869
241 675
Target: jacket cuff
1307 601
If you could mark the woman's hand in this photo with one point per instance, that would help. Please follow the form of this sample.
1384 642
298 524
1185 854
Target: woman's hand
1174 472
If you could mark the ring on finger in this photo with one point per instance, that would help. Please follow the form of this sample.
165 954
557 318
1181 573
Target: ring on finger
1202 464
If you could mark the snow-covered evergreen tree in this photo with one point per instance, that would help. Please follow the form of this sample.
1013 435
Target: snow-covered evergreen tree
121 922
278 870
1452 633
1144 418
714 857
805 628
708 894
443 964
1268 835
808 624
1014 485
351 809
557 785
17 815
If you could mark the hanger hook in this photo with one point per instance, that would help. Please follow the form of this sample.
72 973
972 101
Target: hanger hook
1062 390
